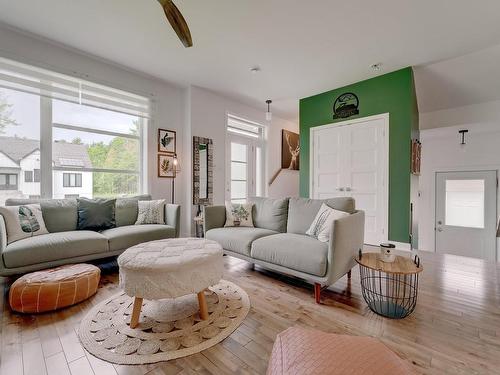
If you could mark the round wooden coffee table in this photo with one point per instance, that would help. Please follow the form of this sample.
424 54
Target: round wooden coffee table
170 268
389 289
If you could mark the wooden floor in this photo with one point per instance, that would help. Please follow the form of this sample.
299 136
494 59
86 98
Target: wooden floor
455 328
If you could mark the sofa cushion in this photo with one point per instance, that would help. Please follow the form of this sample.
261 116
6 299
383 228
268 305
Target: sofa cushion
127 208
60 215
270 213
96 214
302 211
237 239
121 238
54 246
295 251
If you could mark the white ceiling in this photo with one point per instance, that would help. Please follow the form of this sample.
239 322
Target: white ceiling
470 79
302 47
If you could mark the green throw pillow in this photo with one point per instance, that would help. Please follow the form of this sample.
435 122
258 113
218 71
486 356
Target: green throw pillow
96 214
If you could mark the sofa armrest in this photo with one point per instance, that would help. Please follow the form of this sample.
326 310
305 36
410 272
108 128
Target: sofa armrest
173 217
213 217
3 242
346 238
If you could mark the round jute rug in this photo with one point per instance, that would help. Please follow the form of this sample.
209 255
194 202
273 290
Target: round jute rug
168 329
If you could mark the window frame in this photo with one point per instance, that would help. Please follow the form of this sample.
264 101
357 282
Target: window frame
67 183
50 85
7 186
28 176
256 145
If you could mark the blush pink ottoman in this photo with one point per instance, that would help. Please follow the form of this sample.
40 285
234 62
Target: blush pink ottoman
301 351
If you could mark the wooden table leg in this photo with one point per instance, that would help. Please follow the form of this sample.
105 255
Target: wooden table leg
203 305
136 312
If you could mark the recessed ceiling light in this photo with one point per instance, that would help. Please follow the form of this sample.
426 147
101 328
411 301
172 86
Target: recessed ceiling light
255 69
376 67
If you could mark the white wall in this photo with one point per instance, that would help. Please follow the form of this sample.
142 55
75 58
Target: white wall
441 152
206 116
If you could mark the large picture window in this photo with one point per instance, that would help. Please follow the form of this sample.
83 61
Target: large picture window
92 140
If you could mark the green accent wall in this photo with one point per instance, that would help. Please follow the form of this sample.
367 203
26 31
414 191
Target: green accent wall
392 93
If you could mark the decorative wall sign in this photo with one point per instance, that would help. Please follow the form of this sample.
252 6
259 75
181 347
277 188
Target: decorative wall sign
167 140
290 150
166 166
346 105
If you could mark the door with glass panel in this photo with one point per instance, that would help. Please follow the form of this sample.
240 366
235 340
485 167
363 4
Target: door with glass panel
466 213
241 181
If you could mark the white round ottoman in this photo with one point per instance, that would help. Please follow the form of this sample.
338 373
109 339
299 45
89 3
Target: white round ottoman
170 268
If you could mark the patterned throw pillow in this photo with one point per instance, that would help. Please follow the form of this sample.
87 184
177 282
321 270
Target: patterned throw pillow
151 212
239 215
23 221
323 222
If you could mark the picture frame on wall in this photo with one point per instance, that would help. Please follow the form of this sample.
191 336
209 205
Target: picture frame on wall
167 141
290 150
166 167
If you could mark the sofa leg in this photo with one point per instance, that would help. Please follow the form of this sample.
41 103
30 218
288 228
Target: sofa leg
349 274
317 292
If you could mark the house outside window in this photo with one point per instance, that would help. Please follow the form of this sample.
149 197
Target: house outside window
96 136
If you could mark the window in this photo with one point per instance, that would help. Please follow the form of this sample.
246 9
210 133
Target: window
72 180
465 203
8 181
245 168
95 143
69 196
28 176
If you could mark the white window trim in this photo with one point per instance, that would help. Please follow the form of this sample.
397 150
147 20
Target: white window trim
260 141
49 84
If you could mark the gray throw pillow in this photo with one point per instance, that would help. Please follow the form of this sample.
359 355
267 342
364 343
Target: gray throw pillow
96 214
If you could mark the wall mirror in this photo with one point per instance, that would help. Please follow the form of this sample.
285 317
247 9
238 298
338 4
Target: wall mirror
202 171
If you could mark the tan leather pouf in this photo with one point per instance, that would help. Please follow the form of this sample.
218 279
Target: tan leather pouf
54 288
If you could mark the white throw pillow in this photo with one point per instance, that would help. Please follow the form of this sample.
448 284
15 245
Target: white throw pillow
239 215
23 221
323 222
151 212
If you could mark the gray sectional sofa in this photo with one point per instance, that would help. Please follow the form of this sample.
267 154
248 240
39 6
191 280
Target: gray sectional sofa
65 244
279 241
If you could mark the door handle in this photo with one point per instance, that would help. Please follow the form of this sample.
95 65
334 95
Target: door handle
439 229
347 189
340 189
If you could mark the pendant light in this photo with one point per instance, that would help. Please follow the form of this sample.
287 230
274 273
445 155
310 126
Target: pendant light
269 115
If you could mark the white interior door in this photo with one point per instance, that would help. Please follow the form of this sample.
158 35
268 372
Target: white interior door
466 210
327 176
351 159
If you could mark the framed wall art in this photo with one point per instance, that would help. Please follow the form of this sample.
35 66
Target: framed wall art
166 168
290 150
167 141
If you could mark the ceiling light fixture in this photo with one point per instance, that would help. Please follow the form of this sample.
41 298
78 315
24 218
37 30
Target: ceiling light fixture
376 67
255 70
269 115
